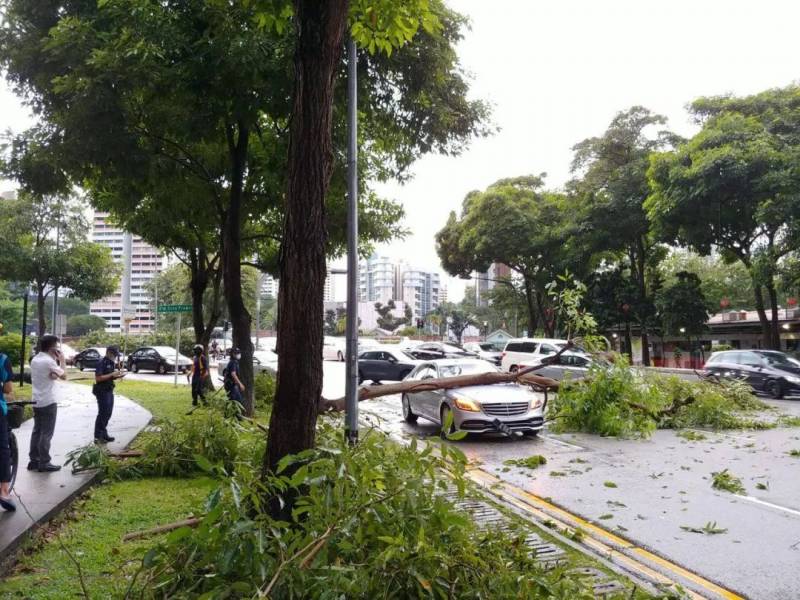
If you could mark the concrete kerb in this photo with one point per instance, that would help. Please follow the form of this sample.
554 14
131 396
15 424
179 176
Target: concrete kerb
42 496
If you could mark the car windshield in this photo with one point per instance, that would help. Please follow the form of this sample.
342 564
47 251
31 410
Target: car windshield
488 347
466 368
404 355
775 358
452 349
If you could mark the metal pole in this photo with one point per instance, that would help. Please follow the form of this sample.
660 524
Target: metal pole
177 348
55 291
351 372
259 284
24 337
155 324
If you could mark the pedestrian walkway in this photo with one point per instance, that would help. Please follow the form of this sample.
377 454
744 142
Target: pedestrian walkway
45 494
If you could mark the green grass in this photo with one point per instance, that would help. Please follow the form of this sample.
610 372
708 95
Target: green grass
92 531
163 400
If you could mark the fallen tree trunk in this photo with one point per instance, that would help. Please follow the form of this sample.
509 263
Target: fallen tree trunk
524 376
135 535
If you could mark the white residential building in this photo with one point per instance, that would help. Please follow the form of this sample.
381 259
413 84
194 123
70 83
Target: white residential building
140 263
269 286
421 291
376 279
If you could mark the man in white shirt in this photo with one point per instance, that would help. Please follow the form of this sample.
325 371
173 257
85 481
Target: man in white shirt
47 366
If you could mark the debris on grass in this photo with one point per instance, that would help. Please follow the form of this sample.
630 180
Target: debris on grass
709 528
609 484
532 462
726 481
577 535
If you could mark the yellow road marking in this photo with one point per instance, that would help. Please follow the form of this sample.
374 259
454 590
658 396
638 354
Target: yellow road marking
542 509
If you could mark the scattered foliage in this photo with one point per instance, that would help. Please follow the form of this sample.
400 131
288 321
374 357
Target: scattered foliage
609 484
692 436
726 481
532 462
709 528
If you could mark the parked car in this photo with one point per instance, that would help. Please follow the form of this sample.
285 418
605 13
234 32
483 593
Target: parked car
69 353
503 407
160 359
522 350
438 350
88 358
334 348
765 370
486 351
264 361
385 364
569 365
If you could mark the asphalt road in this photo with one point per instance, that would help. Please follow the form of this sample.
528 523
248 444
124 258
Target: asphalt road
648 490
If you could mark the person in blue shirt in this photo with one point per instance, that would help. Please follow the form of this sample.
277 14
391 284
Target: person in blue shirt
6 393
104 376
233 384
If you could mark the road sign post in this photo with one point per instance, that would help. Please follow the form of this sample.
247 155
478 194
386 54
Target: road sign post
180 309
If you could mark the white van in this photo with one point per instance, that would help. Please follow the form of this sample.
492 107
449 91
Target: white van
525 350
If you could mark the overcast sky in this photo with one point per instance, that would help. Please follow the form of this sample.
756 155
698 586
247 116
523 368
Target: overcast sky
557 71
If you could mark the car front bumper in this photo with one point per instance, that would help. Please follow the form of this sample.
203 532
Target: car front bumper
474 422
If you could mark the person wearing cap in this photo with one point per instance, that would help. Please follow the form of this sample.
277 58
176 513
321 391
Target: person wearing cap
104 376
46 367
198 374
233 384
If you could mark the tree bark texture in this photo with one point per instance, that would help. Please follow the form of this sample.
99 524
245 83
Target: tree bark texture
320 30
642 285
529 301
238 138
41 313
774 330
766 325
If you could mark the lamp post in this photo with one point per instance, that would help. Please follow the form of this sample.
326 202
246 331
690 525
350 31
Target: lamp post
351 330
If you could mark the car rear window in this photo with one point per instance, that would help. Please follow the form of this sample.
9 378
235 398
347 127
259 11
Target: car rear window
527 347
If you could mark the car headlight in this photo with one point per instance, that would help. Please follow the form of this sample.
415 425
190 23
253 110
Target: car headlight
792 379
537 403
468 404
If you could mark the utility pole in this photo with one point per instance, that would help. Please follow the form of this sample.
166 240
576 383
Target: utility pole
24 337
259 284
55 291
351 370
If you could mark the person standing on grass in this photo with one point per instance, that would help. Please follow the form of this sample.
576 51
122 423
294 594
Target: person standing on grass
104 376
6 393
233 384
198 375
46 367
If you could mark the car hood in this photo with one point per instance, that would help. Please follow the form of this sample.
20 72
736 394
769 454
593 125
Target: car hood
495 393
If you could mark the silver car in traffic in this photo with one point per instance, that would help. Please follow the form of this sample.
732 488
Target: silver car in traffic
502 408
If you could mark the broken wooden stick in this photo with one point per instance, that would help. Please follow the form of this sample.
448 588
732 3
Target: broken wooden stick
523 376
135 535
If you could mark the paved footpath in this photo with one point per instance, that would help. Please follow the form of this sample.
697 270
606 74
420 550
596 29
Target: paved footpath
45 494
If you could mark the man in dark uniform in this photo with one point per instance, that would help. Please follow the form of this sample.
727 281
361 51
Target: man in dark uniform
233 384
198 374
103 389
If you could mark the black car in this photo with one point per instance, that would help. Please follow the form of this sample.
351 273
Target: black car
765 370
157 358
437 350
389 364
88 359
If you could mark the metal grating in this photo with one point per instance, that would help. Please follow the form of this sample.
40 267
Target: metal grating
505 409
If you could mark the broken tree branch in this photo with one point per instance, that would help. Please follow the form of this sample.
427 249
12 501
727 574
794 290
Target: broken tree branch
524 376
135 535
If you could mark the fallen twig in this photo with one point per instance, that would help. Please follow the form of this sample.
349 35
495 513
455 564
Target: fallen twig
135 535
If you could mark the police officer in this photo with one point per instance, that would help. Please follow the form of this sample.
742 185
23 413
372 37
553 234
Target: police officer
104 376
198 374
233 383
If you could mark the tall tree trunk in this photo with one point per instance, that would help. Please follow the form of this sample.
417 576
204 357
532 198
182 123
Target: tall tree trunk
238 139
766 328
775 333
547 324
529 302
320 29
628 343
198 283
643 298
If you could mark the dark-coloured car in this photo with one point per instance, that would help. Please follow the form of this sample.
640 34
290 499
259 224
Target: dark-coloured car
160 359
438 350
385 364
767 371
88 358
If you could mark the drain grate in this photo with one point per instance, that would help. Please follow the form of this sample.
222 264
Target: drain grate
602 585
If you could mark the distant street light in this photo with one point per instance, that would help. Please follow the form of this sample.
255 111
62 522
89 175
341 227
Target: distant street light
683 329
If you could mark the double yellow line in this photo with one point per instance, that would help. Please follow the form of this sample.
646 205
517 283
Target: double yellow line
620 551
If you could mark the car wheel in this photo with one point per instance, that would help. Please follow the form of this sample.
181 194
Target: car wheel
162 369
408 415
340 356
135 367
443 413
775 389
79 366
513 369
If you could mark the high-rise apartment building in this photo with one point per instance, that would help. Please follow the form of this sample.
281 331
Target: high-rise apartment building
421 291
486 281
269 286
140 263
377 278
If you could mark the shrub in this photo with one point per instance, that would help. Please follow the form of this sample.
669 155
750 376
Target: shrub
10 345
366 522
264 389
